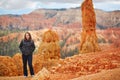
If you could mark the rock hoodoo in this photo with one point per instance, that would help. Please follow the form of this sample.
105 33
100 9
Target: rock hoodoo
89 41
49 46
48 52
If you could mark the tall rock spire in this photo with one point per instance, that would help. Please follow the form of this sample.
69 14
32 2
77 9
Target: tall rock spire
89 41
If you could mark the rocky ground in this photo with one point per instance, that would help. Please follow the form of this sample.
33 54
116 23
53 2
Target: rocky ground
88 64
103 65
113 74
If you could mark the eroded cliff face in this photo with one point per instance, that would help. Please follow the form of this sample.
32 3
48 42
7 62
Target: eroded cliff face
89 41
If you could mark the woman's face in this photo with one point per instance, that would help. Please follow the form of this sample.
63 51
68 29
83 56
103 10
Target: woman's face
27 36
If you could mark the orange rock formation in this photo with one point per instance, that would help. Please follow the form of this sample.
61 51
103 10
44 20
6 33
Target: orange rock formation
88 36
7 66
49 46
18 62
48 51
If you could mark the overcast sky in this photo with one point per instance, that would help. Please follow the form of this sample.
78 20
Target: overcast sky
26 6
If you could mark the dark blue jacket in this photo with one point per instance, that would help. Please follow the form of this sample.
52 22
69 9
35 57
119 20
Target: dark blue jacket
27 47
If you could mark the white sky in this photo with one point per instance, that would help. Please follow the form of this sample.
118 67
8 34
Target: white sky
26 6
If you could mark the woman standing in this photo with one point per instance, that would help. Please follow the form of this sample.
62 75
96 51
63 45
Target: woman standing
27 47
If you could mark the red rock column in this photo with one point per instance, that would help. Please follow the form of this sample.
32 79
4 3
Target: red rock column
89 41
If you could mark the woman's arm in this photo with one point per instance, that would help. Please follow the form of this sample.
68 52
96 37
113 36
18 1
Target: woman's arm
21 45
33 46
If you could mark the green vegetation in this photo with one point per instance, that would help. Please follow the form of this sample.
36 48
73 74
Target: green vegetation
9 48
3 33
6 32
64 41
69 53
101 40
73 52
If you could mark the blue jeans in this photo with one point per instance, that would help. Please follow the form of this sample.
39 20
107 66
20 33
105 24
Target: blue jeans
25 59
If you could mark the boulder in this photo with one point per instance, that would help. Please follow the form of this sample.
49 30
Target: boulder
42 75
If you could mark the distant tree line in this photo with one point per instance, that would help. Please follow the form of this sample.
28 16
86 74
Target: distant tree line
6 32
9 48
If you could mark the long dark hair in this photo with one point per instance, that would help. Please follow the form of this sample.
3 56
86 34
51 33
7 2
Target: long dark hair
30 38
